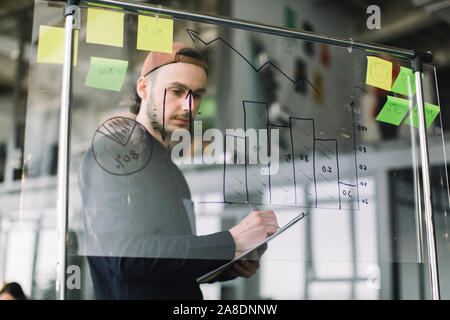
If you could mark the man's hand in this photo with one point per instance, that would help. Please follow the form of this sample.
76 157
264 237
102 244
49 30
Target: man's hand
257 226
244 268
248 266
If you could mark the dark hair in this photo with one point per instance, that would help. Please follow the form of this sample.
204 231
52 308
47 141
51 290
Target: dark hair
14 289
187 52
136 105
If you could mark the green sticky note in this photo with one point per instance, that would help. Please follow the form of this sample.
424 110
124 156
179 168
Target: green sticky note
379 73
401 83
393 111
106 74
104 27
51 45
155 34
431 112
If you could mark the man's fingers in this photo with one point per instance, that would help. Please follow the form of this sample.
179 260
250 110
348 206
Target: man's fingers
262 249
267 214
271 230
267 222
242 271
270 221
246 268
233 273
248 264
264 214
268 218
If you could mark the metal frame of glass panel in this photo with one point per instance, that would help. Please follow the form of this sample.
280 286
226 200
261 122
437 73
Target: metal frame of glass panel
72 22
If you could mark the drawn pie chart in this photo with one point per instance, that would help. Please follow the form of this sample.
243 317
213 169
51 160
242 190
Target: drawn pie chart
122 146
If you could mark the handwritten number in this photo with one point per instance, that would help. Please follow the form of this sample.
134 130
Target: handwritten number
325 169
121 161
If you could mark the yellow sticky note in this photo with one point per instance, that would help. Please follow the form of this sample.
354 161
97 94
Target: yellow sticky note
379 73
105 27
155 34
51 45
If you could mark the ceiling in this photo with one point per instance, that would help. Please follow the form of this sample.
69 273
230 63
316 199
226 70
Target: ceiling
411 24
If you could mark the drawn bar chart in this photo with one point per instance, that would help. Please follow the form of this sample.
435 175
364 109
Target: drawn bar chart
308 172
256 117
303 166
282 183
234 175
327 174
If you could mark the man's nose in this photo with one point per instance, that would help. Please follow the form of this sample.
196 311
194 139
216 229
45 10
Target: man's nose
187 103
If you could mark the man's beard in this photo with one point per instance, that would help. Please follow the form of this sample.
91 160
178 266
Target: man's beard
157 125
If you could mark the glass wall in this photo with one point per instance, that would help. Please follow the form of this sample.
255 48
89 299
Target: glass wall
274 123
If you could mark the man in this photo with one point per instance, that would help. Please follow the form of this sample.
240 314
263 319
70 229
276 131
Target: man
138 213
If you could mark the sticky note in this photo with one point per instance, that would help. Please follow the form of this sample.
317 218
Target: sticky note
401 83
155 34
104 27
51 45
393 111
379 73
431 112
106 74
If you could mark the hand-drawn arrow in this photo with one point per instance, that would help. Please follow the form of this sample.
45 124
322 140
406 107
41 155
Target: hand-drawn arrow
195 35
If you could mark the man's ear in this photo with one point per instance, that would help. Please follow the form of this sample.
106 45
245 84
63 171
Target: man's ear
142 87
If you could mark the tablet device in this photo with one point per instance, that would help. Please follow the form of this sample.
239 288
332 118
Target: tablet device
260 246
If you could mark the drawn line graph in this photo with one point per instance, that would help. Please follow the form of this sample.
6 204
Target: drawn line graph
195 35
